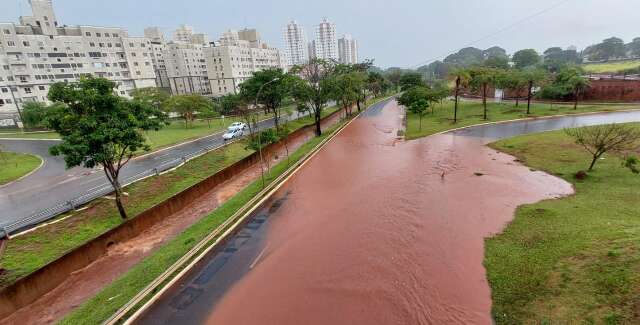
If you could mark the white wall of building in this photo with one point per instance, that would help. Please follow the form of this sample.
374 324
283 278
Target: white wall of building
296 45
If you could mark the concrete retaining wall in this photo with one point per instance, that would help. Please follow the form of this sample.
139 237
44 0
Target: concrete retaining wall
31 287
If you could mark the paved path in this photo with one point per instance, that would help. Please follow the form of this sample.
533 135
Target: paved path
53 184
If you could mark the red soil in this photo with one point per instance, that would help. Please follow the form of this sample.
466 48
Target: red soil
380 232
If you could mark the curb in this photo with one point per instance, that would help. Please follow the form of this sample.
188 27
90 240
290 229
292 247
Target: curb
166 280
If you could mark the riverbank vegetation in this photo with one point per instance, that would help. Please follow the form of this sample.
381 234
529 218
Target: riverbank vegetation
573 260
16 165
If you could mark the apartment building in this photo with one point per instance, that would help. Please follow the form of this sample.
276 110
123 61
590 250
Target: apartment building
158 48
326 43
348 50
38 52
235 57
187 69
295 43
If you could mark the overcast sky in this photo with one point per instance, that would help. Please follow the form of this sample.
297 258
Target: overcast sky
393 32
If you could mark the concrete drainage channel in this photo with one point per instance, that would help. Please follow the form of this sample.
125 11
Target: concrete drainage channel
150 294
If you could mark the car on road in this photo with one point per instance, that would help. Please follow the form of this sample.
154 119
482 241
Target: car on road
232 134
237 126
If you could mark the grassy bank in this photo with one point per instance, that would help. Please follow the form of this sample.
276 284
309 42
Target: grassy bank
15 165
574 260
27 253
611 67
122 290
471 112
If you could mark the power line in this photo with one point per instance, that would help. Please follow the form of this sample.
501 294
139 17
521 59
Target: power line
500 31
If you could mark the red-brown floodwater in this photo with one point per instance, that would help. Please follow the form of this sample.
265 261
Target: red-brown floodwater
371 232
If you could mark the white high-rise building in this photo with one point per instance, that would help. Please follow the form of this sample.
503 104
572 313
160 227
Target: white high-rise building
295 42
40 51
235 57
326 43
348 50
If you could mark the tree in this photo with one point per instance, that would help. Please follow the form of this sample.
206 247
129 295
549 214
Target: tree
346 89
461 79
151 95
229 103
498 62
377 84
634 48
572 81
34 114
610 48
481 79
410 80
466 57
533 78
526 58
313 88
495 51
187 106
100 128
394 75
209 113
513 80
417 101
270 88
600 139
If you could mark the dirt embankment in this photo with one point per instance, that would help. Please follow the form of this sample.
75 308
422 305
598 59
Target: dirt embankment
87 282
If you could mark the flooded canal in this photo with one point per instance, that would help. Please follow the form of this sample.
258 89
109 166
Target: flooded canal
372 230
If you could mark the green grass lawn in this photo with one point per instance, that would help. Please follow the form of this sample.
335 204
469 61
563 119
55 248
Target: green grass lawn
574 260
611 67
122 290
471 112
15 165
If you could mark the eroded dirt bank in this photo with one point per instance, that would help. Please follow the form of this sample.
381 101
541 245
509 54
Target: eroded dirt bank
376 231
88 281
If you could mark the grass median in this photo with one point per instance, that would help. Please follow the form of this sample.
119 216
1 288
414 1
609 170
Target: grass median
29 252
16 165
574 260
471 113
122 290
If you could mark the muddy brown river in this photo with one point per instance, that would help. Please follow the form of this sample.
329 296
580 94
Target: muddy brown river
373 230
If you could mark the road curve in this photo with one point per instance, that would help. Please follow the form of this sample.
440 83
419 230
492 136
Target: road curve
53 184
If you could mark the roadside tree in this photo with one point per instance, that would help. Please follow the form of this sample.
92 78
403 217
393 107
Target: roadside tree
461 79
313 88
268 88
188 106
410 80
482 79
600 139
99 128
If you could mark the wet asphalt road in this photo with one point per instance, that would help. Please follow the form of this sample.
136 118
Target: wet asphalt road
192 299
53 184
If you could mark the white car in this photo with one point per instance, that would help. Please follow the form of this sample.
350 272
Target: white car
232 134
237 126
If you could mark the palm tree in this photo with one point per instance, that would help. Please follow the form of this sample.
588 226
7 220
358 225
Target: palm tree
461 78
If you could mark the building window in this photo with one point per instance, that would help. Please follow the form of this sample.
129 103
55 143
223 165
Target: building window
5 90
107 35
98 34
41 87
27 90
26 43
11 43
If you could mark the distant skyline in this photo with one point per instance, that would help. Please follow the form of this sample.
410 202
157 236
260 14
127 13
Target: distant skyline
395 33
